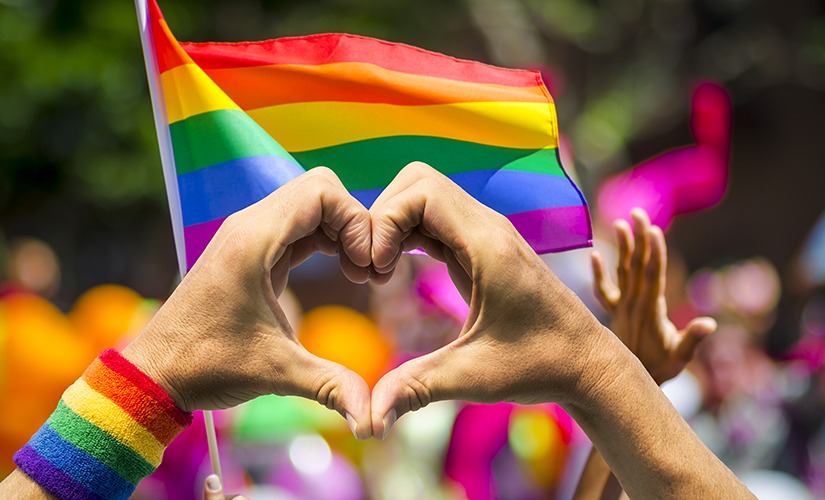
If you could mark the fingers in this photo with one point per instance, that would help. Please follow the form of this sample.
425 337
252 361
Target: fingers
625 243
335 387
641 252
410 387
213 490
603 288
420 197
692 335
315 200
654 273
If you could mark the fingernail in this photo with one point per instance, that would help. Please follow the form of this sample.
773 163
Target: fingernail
353 425
213 483
389 421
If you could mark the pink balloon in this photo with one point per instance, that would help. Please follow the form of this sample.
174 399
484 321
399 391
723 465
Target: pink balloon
681 180
479 433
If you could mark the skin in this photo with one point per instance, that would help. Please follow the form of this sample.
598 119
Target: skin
528 339
213 490
638 313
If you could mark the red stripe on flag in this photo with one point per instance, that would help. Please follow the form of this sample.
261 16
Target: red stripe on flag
338 47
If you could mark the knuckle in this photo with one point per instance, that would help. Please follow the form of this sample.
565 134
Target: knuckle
429 184
322 172
418 168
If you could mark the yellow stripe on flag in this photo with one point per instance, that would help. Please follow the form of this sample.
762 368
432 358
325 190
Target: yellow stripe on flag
188 91
313 125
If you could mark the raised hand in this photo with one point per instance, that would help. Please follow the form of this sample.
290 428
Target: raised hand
637 306
222 339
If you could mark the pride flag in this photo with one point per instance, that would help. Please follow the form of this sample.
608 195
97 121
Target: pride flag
238 120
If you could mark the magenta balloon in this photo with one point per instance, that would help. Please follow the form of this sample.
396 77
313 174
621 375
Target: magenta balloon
436 288
682 180
479 433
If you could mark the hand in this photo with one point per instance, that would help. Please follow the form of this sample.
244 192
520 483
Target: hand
637 307
222 339
526 337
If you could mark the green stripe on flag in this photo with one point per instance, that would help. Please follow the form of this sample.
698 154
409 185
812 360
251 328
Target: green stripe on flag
374 163
217 137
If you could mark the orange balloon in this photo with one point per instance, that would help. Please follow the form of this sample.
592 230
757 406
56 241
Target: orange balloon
42 357
106 314
347 337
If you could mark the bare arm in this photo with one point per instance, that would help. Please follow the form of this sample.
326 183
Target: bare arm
19 485
638 312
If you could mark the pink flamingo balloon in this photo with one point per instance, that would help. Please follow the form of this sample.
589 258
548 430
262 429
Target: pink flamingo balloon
681 180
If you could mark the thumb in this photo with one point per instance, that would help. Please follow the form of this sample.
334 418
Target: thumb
338 388
693 334
410 387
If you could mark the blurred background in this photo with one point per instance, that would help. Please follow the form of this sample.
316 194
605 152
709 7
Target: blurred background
737 86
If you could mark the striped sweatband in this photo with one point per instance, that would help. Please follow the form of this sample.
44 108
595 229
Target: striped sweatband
108 432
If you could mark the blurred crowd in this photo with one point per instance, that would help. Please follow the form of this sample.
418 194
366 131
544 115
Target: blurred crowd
761 415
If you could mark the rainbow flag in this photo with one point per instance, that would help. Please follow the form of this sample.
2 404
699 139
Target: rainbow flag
238 120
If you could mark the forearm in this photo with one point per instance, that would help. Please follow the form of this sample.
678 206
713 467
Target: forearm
648 446
19 485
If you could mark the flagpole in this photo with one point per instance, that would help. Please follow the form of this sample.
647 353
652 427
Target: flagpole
167 159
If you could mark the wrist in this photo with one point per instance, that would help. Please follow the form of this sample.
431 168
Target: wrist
109 431
602 371
159 362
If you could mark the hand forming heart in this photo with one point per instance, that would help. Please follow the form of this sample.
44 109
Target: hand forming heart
522 340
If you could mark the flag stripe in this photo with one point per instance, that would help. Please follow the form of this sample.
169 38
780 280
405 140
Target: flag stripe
555 229
338 47
506 124
249 180
375 162
188 91
235 185
196 237
168 51
314 125
197 143
546 230
202 140
263 86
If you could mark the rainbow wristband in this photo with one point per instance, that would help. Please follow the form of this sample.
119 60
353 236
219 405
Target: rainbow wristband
108 432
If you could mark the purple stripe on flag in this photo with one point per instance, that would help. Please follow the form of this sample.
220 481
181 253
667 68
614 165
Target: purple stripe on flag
196 237
554 229
547 230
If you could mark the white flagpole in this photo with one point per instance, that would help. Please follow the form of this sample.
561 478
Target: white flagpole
167 159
